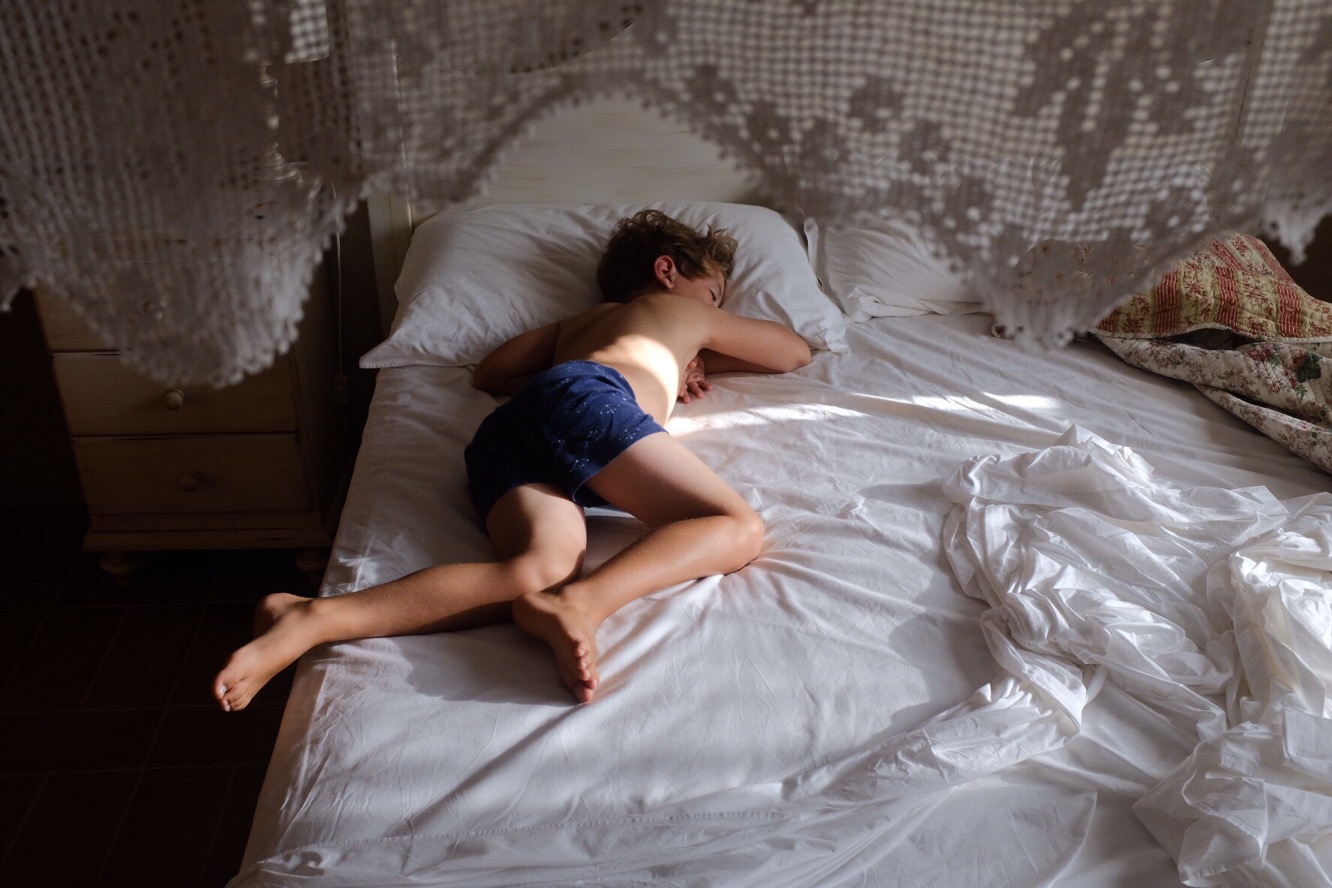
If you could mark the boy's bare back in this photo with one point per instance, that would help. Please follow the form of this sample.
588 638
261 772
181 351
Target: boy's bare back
650 340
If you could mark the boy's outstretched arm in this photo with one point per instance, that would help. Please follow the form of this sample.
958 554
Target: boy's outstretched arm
753 346
504 370
716 362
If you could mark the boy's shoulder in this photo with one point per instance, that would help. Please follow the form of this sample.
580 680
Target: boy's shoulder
589 314
675 304
656 309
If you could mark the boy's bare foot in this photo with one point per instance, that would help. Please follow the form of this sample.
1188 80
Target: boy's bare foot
571 635
280 637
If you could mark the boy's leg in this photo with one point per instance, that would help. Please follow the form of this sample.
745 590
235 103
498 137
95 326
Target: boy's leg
699 526
538 533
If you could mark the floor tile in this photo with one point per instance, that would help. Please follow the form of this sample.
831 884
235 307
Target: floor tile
97 679
12 522
161 578
17 630
69 831
224 860
78 741
62 660
199 736
28 580
225 626
141 667
17 794
152 840
91 586
41 555
50 536
249 576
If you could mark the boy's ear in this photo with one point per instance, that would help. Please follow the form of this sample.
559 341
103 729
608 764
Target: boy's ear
663 269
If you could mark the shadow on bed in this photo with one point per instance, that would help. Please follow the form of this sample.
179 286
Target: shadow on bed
496 663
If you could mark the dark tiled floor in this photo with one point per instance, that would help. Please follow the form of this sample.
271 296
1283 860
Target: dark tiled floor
116 768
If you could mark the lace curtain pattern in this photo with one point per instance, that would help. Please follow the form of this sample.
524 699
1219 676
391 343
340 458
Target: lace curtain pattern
175 170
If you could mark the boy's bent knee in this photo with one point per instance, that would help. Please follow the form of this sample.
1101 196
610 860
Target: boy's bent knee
533 573
746 537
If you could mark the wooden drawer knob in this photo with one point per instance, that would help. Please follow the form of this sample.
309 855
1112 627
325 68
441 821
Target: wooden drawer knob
190 481
174 399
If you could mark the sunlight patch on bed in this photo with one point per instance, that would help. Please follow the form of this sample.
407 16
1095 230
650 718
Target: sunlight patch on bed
734 419
1028 402
965 404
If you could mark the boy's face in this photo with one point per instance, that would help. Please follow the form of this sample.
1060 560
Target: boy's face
709 288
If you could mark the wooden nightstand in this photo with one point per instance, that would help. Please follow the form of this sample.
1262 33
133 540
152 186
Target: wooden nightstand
260 464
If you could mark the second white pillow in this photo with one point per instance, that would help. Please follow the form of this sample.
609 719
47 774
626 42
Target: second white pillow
884 268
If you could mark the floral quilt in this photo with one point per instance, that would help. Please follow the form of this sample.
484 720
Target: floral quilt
1230 320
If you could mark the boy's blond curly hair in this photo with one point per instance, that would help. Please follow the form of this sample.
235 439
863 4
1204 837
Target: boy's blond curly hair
636 242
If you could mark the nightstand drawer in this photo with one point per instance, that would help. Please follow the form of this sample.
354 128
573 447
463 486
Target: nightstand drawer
102 396
257 464
186 473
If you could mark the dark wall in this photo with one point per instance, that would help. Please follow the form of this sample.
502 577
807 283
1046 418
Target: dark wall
36 463
1315 273
354 265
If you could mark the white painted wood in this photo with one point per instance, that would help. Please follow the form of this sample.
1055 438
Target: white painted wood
613 150
104 396
390 233
606 151
255 464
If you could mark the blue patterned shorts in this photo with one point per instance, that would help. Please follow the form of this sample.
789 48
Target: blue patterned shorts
565 425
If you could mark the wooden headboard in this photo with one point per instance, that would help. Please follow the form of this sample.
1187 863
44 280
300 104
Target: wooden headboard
605 151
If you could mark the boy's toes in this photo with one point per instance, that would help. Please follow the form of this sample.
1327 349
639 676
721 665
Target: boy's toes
590 675
582 691
578 680
231 698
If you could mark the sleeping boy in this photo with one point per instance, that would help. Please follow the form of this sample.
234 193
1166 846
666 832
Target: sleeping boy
584 426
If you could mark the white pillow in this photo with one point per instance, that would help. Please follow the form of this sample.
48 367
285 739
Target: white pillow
884 268
475 278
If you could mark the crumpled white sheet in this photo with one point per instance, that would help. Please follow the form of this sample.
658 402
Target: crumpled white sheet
829 716
1210 604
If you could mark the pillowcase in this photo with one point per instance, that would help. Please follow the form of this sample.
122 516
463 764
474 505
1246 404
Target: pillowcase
884 268
474 278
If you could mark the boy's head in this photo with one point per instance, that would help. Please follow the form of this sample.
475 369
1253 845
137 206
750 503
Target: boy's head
627 267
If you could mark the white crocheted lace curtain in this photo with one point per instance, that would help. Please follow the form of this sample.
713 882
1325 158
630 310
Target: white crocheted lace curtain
1058 151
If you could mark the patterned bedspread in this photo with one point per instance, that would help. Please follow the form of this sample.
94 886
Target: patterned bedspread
1230 320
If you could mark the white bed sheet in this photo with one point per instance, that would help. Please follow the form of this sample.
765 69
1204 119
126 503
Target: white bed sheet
829 715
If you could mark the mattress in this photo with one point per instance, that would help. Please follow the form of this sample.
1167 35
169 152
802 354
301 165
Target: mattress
864 704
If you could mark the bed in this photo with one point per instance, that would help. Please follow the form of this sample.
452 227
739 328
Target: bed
1021 618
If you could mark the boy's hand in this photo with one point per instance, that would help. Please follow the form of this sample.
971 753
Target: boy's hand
693 385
